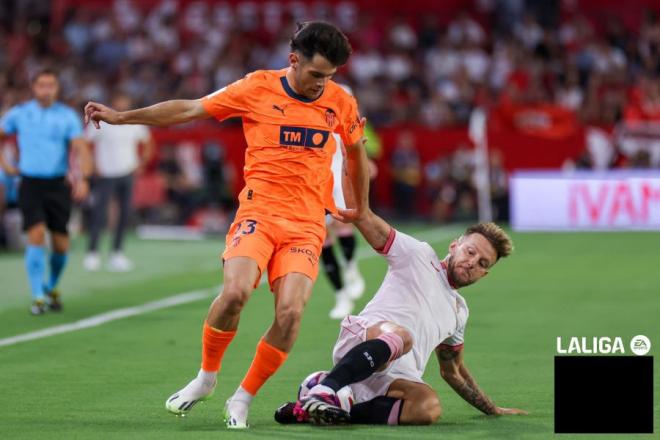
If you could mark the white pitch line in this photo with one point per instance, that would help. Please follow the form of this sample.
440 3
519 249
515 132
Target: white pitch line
431 235
95 321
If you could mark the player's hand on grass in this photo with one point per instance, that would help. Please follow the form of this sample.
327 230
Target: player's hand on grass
96 112
510 411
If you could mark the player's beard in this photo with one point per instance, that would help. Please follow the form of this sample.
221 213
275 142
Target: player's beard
454 278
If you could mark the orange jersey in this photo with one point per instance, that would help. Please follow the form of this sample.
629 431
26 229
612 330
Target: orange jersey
289 143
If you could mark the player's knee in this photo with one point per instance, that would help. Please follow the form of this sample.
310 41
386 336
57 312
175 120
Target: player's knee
427 411
235 295
434 410
407 339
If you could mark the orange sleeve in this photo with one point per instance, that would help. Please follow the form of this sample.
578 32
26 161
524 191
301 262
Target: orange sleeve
230 100
349 127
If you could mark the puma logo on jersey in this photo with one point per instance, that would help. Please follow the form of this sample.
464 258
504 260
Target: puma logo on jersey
280 109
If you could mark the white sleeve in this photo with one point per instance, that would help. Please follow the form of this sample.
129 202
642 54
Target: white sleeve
455 341
400 249
90 132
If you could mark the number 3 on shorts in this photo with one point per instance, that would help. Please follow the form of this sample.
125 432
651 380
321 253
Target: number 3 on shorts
250 227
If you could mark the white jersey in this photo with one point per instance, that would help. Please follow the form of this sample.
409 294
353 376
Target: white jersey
337 171
416 294
116 148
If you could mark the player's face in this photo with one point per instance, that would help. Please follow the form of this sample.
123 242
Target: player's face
45 89
470 258
311 75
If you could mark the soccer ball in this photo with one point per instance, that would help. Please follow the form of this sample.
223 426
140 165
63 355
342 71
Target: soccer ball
344 395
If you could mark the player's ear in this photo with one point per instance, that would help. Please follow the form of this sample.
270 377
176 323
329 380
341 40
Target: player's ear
453 245
294 60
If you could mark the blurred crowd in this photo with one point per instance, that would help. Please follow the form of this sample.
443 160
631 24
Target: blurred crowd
403 69
426 69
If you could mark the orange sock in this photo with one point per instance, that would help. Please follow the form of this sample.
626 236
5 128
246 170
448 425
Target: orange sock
266 361
214 344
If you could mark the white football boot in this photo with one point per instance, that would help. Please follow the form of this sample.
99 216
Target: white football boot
199 389
237 408
321 407
343 304
120 263
92 262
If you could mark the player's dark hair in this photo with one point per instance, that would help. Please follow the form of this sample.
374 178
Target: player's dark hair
46 71
499 239
326 39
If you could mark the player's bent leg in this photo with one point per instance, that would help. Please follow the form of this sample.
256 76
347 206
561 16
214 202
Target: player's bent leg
292 291
219 330
390 332
386 341
421 405
240 277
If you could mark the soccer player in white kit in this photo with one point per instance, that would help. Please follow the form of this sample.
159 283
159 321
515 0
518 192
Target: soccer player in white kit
382 352
348 283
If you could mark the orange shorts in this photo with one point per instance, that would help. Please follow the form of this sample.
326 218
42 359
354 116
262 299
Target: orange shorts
277 244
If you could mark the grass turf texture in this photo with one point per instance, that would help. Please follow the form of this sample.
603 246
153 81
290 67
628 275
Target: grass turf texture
111 381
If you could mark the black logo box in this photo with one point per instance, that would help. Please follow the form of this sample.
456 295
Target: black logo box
604 394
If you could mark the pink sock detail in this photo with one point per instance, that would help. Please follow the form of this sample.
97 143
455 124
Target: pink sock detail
395 342
393 419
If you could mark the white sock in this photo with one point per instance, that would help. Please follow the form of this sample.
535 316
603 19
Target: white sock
207 377
242 396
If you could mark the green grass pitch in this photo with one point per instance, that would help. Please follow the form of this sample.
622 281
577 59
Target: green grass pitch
111 381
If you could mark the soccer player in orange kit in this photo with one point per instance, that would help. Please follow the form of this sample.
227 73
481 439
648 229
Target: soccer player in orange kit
288 117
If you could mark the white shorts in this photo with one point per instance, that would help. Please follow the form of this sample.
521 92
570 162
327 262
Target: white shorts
353 332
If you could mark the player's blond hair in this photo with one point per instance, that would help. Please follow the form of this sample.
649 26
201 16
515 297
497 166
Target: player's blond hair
499 239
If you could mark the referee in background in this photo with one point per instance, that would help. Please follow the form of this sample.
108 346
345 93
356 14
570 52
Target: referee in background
45 130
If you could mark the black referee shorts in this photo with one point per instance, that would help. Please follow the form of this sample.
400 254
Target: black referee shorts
45 200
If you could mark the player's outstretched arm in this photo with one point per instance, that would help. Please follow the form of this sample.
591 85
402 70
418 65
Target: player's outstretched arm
172 112
374 229
454 372
357 168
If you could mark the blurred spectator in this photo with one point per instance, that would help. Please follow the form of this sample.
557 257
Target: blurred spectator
406 174
216 176
117 157
10 221
181 185
441 189
499 186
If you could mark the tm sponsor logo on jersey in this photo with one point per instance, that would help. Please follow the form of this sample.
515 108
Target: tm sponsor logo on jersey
639 345
303 137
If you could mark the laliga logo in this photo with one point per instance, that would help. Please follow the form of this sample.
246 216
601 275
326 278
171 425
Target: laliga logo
640 345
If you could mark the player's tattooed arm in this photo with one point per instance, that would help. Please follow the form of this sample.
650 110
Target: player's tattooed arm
454 372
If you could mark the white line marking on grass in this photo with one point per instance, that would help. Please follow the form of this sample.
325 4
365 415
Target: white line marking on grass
430 235
95 321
